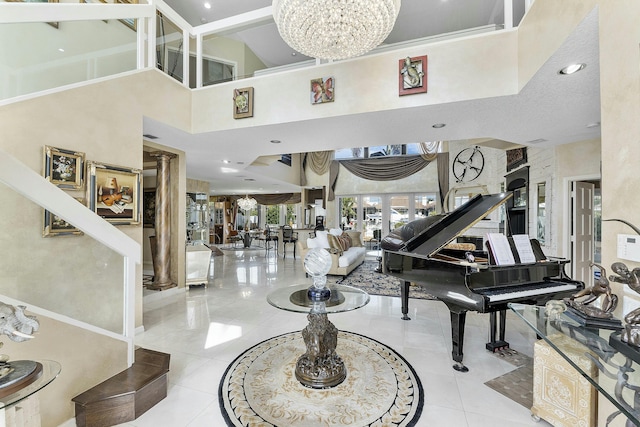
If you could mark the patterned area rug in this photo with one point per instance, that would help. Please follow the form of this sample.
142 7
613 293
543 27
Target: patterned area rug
517 385
366 278
259 388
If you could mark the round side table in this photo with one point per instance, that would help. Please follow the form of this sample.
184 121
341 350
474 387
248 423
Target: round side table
319 367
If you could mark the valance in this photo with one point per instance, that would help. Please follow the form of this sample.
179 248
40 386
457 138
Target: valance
385 168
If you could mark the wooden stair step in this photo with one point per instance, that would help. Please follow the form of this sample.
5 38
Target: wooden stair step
126 395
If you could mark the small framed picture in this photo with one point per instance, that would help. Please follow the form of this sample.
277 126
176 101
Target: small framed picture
129 22
243 103
412 75
54 226
149 208
322 90
64 168
113 192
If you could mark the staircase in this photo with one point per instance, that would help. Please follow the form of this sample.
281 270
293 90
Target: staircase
127 395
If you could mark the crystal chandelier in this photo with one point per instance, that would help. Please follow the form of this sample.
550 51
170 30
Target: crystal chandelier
335 29
246 203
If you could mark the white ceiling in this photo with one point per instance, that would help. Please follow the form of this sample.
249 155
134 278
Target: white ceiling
553 108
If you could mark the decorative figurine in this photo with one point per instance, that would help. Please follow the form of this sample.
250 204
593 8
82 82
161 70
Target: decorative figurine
601 288
631 332
412 76
317 263
18 327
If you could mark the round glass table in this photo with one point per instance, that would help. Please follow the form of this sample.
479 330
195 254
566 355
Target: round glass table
43 373
320 366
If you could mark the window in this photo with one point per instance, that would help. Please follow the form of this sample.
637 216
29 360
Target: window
213 70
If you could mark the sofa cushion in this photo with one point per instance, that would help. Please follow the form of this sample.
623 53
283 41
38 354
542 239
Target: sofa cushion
345 241
350 256
335 231
356 237
323 241
334 243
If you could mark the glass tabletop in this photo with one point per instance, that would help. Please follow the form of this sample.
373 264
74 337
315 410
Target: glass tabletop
49 371
617 376
294 298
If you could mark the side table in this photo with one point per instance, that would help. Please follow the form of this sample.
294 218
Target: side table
319 367
22 394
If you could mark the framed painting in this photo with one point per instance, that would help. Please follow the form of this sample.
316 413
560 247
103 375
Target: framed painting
412 75
53 24
113 192
243 103
64 168
516 157
149 208
129 22
54 226
322 90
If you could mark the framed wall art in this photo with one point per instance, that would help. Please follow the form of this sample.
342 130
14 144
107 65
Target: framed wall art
114 192
516 157
243 103
129 22
54 226
149 207
412 75
322 90
64 168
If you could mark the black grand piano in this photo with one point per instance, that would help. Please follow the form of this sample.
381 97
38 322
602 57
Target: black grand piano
470 280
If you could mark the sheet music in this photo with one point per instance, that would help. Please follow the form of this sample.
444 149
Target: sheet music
501 249
523 246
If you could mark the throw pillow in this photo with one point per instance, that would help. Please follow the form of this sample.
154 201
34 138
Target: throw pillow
335 231
312 243
334 242
323 241
345 241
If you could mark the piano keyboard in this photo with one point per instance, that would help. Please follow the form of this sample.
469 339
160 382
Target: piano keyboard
496 295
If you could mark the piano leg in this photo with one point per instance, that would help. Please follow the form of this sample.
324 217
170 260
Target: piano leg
500 344
457 338
404 295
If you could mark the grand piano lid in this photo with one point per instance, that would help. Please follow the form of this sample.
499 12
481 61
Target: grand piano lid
438 235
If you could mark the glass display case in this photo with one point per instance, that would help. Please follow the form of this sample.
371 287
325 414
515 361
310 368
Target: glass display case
197 216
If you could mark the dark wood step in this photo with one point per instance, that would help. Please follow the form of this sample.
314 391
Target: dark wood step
127 395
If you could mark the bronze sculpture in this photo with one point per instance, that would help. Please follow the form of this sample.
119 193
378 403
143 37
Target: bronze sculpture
631 332
601 288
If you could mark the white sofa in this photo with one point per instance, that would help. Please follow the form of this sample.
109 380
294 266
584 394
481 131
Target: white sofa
342 261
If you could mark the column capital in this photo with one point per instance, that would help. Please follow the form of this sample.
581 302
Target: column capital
162 155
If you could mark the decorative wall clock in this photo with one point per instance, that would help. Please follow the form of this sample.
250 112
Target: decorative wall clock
468 164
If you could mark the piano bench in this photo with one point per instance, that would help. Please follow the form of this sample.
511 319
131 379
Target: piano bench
561 396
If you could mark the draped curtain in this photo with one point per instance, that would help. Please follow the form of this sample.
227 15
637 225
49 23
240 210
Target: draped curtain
385 168
275 199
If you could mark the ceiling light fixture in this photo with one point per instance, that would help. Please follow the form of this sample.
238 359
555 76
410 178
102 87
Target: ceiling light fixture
207 5
334 29
438 125
570 69
247 203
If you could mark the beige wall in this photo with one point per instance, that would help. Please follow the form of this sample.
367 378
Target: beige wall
103 120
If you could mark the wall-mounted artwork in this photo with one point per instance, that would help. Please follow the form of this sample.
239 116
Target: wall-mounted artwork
412 75
322 90
149 208
516 157
64 168
53 24
54 226
243 103
113 192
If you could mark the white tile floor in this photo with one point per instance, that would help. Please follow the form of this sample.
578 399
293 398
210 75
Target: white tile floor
204 329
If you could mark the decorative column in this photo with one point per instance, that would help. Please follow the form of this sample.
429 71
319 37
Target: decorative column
161 260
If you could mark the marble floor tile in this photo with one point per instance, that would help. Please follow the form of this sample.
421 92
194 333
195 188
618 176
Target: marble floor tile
206 328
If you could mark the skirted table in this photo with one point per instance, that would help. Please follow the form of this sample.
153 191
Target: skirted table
319 367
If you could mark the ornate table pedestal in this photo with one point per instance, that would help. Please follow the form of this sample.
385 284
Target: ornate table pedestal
319 367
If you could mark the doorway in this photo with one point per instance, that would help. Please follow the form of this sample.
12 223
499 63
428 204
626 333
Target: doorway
585 218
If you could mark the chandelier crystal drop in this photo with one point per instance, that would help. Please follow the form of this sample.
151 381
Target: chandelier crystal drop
246 203
335 29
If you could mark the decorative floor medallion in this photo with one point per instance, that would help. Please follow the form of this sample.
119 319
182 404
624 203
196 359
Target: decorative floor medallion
259 388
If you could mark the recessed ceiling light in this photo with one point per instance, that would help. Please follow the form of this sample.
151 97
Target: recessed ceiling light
240 163
228 170
207 5
275 141
438 125
226 161
570 69
60 49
